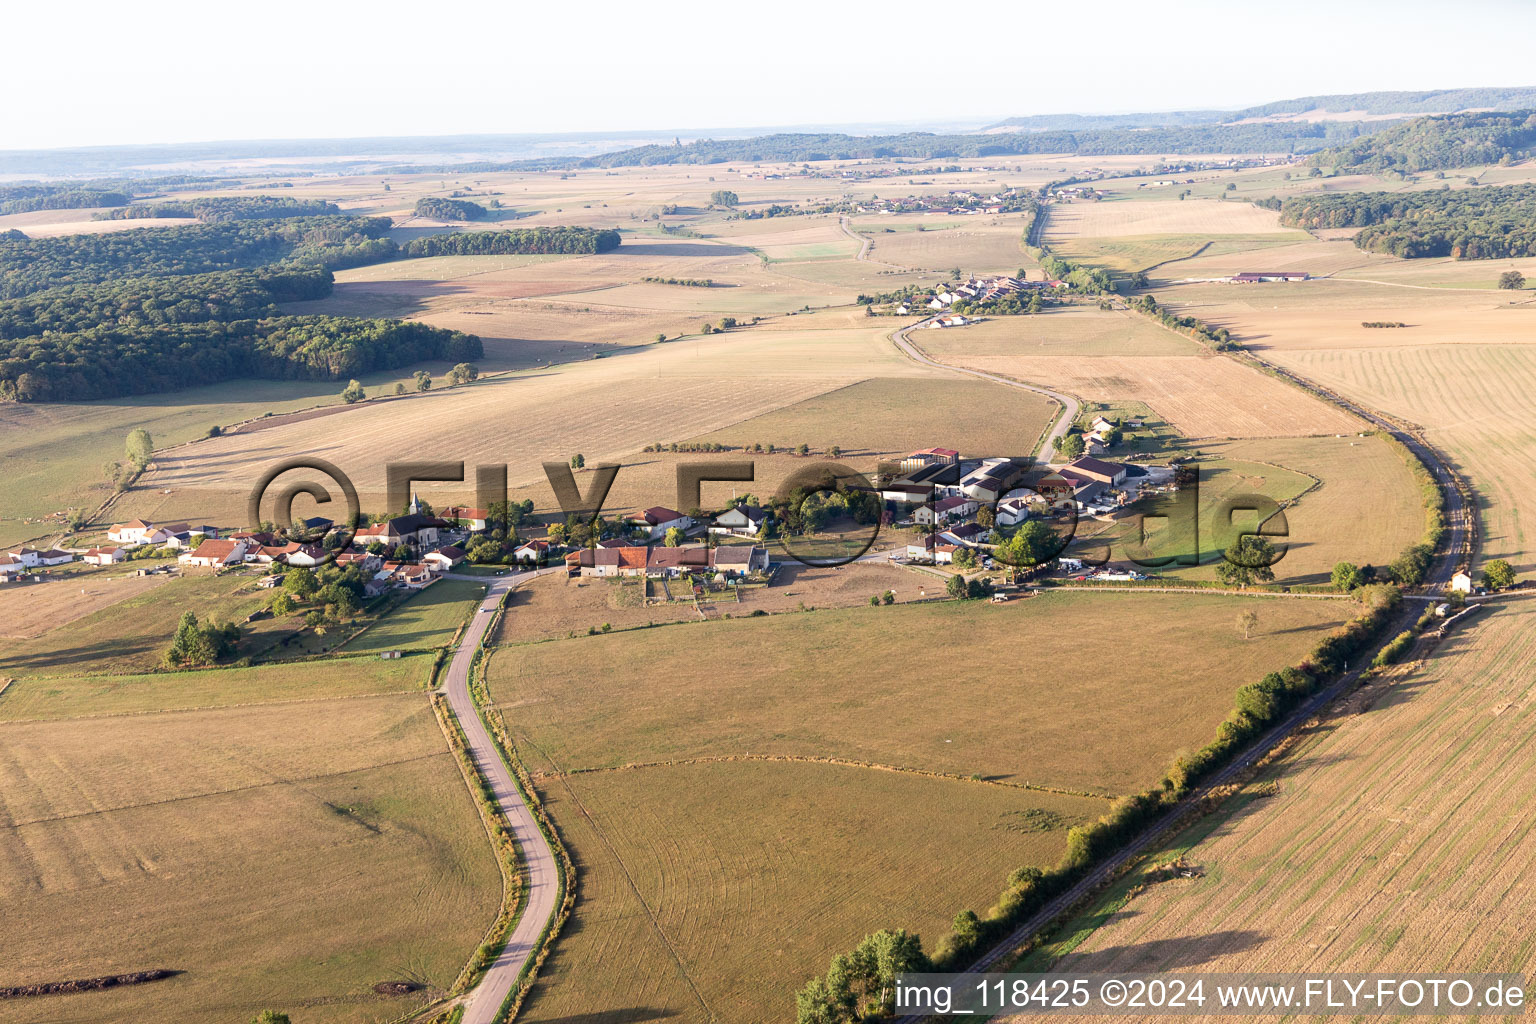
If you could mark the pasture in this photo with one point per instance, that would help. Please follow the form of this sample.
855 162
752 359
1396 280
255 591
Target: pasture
427 619
721 908
710 818
51 697
247 848
975 244
27 612
129 635
565 697
1390 842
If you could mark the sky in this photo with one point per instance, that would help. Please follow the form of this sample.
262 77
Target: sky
93 74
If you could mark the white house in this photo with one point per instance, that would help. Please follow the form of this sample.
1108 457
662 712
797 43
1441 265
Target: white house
659 519
531 553
32 558
739 558
103 556
1012 511
741 521
932 547
444 558
215 554
955 507
307 556
1461 583
131 533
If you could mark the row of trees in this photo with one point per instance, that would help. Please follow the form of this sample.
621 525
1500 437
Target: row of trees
1469 224
223 209
63 199
515 241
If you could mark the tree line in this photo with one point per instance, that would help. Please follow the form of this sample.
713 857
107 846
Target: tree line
1290 137
72 199
223 209
1471 223
515 241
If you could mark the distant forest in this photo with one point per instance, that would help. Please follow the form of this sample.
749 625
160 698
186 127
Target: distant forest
201 305
1433 101
1437 143
223 209
60 199
1469 223
1238 138
33 264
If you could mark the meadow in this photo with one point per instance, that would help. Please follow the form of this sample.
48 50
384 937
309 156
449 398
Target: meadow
1391 838
247 848
32 698
427 619
976 244
802 795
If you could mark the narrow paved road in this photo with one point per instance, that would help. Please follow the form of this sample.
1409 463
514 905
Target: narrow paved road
541 878
1069 405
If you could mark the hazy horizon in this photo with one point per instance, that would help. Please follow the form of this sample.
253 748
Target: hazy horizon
308 73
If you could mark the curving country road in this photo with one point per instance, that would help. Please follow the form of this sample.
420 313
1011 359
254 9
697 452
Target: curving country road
541 877
1069 405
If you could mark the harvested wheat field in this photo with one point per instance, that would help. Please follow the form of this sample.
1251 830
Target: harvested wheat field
1062 331
1203 395
719 909
1332 313
605 409
1191 217
246 849
1476 402
1398 838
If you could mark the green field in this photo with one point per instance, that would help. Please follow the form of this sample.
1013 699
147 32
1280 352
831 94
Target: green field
131 636
50 697
426 619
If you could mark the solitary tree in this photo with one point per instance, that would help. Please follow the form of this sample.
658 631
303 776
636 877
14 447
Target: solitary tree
399 389
1072 447
803 449
463 373
578 461
1498 574
1512 280
353 393
423 380
675 536
141 447
273 1016
1247 561
1246 621
956 588
889 597
835 451
724 197
1347 576
985 517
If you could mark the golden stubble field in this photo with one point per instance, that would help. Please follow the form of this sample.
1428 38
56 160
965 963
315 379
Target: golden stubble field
605 409
1397 838
1464 369
1096 355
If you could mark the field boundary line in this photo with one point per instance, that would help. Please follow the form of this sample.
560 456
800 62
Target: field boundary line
839 762
200 707
630 881
294 781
